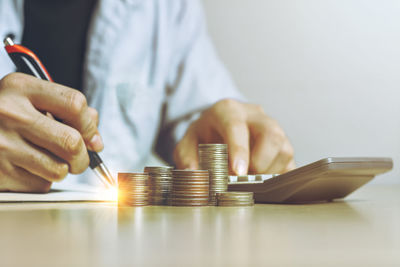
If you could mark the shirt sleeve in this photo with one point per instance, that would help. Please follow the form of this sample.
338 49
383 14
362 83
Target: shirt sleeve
197 77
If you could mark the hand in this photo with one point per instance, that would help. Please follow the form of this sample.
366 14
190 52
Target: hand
256 143
35 149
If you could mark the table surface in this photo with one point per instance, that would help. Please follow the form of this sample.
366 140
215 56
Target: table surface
363 230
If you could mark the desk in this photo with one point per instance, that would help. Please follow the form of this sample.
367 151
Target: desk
362 231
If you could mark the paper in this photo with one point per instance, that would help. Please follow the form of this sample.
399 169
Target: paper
82 192
63 193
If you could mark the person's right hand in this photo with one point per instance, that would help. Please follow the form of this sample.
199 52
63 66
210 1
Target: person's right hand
35 149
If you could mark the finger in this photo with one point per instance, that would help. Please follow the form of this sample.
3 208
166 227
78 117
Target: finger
94 115
265 149
284 157
290 166
236 135
185 154
96 143
24 181
39 162
66 104
60 139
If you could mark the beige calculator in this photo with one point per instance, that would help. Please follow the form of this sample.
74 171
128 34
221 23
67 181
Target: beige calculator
323 180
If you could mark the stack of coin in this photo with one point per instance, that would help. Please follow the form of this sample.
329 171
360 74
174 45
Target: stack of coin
160 182
214 158
132 189
235 199
189 188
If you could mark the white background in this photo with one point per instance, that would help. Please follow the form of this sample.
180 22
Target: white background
328 71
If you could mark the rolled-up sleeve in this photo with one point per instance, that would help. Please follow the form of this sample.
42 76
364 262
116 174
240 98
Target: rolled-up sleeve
197 78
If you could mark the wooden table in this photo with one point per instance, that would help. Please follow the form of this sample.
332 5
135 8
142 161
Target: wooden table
364 230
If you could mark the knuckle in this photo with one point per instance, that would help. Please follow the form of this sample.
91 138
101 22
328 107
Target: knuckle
278 132
13 117
89 129
227 103
232 128
272 129
9 148
274 135
72 142
36 122
14 111
12 80
233 125
77 102
58 172
7 109
259 109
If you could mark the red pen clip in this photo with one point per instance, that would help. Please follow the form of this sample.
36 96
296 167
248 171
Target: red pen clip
25 60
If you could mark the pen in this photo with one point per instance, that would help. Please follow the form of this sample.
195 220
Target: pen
27 62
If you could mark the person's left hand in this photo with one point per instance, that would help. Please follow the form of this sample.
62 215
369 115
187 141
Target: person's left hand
256 143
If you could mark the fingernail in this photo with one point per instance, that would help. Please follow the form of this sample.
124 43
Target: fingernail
96 143
240 167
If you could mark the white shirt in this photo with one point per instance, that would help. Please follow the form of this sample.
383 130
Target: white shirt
150 67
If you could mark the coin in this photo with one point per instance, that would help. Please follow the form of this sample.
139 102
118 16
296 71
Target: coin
132 189
232 194
189 188
235 198
160 182
214 158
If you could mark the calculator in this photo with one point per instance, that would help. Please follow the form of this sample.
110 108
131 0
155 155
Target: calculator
321 181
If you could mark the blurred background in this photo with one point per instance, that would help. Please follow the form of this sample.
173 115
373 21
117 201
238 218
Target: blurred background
328 71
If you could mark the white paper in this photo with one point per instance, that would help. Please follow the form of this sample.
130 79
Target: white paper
61 193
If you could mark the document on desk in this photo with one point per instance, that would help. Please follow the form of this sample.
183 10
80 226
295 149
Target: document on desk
62 193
